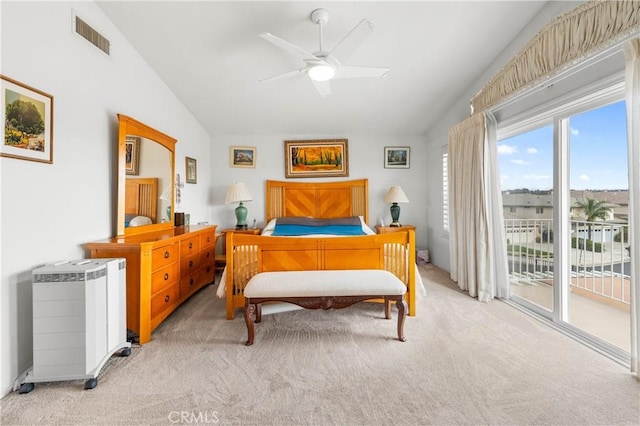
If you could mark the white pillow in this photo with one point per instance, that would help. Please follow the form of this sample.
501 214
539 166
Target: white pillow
270 226
365 227
140 221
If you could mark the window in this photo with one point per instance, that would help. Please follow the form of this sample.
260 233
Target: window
539 210
512 209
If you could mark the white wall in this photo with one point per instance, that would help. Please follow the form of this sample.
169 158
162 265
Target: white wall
437 136
50 211
366 160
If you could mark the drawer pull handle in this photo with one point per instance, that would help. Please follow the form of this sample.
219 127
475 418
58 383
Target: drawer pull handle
166 254
208 268
190 245
208 239
166 299
208 255
190 263
191 281
166 276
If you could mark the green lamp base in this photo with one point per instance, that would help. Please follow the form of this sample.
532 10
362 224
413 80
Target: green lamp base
395 215
241 217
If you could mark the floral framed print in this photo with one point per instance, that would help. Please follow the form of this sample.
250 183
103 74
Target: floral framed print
192 170
242 156
28 122
397 157
132 155
316 158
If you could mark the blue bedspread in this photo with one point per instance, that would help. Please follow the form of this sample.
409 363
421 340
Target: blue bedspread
298 226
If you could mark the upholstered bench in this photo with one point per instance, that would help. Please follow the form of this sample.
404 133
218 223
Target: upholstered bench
323 290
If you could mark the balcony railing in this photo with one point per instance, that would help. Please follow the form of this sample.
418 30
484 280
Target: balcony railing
600 263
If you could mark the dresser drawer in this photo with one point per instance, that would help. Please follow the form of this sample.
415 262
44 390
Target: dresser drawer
207 240
164 277
208 256
207 273
189 283
166 299
188 265
189 246
164 256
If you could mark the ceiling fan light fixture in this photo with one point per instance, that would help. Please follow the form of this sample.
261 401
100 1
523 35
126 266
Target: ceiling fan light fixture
321 72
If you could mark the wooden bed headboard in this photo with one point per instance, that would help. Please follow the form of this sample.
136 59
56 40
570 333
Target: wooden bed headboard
319 200
141 197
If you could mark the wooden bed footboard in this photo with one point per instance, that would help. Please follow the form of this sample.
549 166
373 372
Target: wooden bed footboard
248 255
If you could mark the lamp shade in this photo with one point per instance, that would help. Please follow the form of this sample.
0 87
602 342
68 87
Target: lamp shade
395 195
237 193
166 194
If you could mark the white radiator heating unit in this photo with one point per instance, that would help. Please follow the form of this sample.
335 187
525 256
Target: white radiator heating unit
79 320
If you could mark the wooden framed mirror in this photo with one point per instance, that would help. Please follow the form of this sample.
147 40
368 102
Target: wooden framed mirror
146 167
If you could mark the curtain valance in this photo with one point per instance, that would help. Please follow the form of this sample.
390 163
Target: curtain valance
561 44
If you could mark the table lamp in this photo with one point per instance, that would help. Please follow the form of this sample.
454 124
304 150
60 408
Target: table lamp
238 193
395 195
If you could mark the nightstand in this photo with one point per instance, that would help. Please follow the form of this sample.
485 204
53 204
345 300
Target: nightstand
387 229
221 259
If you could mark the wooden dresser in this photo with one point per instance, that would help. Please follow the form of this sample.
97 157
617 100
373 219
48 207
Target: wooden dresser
164 268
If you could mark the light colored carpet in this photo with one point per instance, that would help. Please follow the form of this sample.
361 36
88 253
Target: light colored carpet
464 362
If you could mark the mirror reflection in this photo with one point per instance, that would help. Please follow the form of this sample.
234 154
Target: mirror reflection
148 182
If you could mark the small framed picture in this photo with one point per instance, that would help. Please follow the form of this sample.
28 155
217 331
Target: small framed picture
397 157
242 156
28 122
132 155
192 170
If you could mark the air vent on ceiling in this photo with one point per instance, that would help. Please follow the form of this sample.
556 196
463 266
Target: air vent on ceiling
94 37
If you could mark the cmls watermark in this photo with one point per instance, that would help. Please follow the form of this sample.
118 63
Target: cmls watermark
193 417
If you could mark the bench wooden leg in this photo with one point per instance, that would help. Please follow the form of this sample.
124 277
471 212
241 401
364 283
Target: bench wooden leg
402 314
387 308
248 318
258 312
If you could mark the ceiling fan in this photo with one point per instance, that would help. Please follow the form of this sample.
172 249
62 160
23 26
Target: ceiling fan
323 66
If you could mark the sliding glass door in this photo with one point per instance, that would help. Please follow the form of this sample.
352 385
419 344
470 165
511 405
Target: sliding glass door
599 296
565 203
526 166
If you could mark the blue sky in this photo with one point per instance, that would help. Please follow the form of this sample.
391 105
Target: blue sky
598 153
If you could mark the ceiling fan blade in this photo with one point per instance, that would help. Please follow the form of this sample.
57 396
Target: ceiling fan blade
289 47
283 75
323 87
352 40
346 71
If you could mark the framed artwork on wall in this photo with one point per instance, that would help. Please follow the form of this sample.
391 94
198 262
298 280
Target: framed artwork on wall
132 155
28 122
192 170
242 156
397 157
316 158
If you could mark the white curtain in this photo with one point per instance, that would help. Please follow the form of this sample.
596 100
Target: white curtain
476 241
632 84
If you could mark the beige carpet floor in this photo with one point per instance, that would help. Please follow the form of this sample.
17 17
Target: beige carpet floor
464 362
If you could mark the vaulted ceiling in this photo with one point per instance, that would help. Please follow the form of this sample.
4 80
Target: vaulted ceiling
210 55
